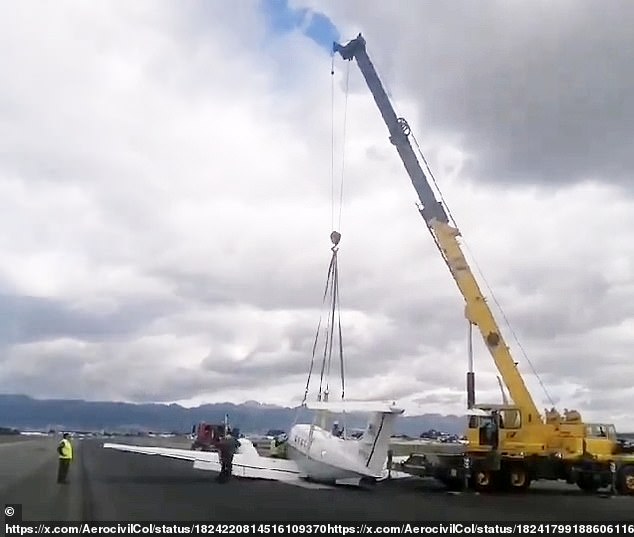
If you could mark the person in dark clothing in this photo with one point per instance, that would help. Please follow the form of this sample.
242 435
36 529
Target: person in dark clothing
494 429
227 448
336 431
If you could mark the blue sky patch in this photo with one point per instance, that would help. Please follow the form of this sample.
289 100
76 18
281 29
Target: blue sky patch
282 19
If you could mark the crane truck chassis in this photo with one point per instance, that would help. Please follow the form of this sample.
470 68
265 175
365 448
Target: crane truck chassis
508 446
497 470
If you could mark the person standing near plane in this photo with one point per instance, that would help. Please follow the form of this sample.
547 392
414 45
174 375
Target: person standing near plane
227 448
65 453
336 431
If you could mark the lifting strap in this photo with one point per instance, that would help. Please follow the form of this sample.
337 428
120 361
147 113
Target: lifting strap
330 302
331 291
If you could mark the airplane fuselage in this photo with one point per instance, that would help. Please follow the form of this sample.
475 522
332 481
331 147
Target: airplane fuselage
322 456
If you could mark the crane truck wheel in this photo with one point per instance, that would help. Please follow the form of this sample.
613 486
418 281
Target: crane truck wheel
484 481
518 478
625 481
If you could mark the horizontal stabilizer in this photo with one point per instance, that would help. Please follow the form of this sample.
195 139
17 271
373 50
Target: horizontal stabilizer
386 407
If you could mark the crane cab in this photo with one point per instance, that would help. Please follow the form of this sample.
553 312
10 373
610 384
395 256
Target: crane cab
601 439
493 426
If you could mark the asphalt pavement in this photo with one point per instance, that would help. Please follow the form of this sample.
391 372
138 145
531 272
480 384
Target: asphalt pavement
107 485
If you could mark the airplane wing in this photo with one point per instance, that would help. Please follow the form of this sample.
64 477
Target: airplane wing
172 453
387 407
247 462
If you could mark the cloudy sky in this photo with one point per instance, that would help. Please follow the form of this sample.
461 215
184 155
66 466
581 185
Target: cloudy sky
166 199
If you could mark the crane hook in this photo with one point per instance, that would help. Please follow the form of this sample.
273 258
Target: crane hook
335 237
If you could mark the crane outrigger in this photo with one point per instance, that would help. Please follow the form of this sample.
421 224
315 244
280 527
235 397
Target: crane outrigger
509 445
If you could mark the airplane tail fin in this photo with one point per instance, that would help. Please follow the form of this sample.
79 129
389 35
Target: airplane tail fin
375 441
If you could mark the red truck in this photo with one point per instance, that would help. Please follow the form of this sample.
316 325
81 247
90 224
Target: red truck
206 434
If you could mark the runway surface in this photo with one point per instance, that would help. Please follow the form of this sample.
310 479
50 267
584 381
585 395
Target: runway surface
113 486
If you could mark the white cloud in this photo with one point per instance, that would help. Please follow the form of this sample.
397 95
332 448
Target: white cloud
165 184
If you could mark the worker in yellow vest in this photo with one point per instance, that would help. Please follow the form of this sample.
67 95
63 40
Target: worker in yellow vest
65 452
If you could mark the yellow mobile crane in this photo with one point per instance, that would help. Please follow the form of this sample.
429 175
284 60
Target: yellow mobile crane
508 445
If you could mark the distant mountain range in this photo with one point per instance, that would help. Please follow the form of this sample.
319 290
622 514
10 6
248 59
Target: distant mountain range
23 412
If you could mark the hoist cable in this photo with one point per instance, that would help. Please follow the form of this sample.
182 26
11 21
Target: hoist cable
343 141
332 140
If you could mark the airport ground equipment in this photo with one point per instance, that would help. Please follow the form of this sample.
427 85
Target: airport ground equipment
508 445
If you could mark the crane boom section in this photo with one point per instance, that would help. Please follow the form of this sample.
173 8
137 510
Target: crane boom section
479 313
445 235
398 130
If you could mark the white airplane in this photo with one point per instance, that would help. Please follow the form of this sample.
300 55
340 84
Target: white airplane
314 453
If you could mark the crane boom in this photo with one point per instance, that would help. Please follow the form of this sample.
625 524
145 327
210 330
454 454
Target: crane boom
446 236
